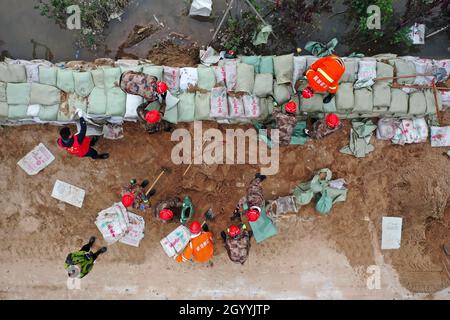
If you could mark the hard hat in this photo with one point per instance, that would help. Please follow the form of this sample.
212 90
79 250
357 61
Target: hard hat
166 214
234 231
195 227
128 199
253 214
161 87
153 116
290 107
307 93
332 120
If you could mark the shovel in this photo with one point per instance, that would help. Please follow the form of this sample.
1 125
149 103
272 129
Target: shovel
152 191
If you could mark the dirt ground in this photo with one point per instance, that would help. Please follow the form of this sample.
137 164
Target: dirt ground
313 256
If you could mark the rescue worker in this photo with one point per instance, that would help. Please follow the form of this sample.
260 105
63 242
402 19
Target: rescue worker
79 144
168 210
323 128
285 123
152 120
80 263
254 199
237 242
201 247
133 195
323 76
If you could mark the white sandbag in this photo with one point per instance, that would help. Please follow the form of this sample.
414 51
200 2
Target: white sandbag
68 193
367 71
176 241
310 61
386 128
135 230
445 63
172 78
251 106
391 233
230 67
188 77
133 101
219 72
445 97
36 160
201 8
113 223
440 136
236 107
299 69
399 102
219 103
351 70
424 66
33 110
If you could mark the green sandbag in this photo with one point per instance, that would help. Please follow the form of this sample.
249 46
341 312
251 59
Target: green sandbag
65 80
381 95
284 68
17 111
330 106
245 78
263 104
324 204
12 73
263 85
97 101
133 68
417 103
255 61
404 68
112 77
44 94
115 102
171 114
3 110
281 93
156 71
47 75
399 102
384 70
363 100
155 105
48 113
18 93
314 104
266 65
202 105
345 99
431 102
186 107
83 83
206 78
3 97
98 78
351 70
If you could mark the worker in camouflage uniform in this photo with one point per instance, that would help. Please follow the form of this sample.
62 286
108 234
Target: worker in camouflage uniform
80 263
323 128
133 195
237 242
151 120
254 199
173 209
285 123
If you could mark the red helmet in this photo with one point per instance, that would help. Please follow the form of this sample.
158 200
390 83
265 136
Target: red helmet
291 107
234 231
195 227
128 199
332 120
161 87
307 93
166 214
253 214
153 116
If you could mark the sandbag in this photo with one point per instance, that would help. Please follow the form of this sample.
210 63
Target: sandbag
47 75
284 68
44 94
404 68
314 104
219 73
17 111
12 73
325 203
3 110
245 78
97 101
351 70
3 97
171 77
384 70
299 69
310 61
156 71
18 93
132 102
399 102
281 93
115 102
206 78
130 68
367 71
111 77
386 128
345 97
363 100
188 77
186 107
431 102
255 61
98 77
381 95
202 105
33 110
266 65
252 107
417 103
48 113
236 107
64 80
219 103
171 114
83 83
230 67
263 85
423 66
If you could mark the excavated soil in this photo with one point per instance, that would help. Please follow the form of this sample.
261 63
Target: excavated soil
169 53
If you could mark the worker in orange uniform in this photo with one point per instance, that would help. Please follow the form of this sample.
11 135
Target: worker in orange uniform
201 247
323 76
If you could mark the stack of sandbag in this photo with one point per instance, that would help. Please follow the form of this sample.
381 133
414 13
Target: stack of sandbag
411 131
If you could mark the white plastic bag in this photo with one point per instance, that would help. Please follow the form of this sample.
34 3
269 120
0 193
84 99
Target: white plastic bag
188 77
230 74
219 72
219 105
33 110
201 8
299 69
366 73
251 106
172 78
236 107
133 101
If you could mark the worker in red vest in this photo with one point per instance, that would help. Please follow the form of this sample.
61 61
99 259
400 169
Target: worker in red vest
79 144
323 76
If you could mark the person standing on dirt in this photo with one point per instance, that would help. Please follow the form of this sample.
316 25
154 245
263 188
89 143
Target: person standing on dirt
173 209
201 247
322 128
79 144
285 123
79 263
133 195
254 200
237 242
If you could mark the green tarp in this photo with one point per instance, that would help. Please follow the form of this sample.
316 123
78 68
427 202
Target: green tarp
321 50
360 135
263 35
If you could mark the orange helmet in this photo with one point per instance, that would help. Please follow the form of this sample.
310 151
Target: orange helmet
291 107
161 87
253 214
166 214
195 227
332 120
153 116
234 231
128 199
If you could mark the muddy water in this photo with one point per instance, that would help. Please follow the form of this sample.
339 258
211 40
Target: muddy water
20 24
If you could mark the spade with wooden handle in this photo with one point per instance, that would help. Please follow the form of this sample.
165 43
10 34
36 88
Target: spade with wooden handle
164 170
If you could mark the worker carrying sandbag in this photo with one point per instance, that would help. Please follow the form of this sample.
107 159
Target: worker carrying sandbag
285 123
133 195
323 76
79 144
80 263
173 209
237 242
201 247
323 128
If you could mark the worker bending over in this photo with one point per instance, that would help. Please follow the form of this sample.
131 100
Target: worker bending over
323 128
133 195
254 199
285 123
237 242
201 247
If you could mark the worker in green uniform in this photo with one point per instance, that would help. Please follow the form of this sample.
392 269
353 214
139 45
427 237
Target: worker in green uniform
80 263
